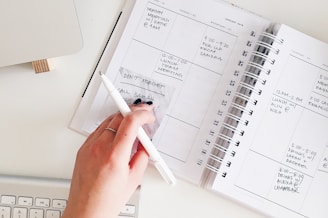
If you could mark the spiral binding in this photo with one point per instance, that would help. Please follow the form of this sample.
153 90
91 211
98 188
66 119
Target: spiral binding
234 121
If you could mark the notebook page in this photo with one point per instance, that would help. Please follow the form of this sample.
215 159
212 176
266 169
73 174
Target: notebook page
281 165
189 45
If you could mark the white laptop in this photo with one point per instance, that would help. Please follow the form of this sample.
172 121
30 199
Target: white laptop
32 30
37 29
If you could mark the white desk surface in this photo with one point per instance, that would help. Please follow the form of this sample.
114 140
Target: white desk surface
36 109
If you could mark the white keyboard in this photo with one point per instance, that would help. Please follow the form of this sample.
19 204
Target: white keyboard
23 207
24 197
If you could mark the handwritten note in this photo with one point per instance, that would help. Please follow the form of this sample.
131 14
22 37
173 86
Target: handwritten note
323 167
301 157
155 18
211 48
172 66
133 86
319 104
321 85
289 187
318 100
280 106
288 180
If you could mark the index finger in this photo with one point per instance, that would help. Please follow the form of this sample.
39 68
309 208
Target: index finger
127 132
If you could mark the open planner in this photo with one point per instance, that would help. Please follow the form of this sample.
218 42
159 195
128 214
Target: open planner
248 111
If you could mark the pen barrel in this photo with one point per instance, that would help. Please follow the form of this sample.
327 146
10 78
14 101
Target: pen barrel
120 103
159 163
148 145
165 172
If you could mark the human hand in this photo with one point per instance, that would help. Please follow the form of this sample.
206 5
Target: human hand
105 174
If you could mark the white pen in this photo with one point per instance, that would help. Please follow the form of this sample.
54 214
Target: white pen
159 163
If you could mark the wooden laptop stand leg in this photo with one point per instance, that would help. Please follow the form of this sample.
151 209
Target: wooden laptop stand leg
41 66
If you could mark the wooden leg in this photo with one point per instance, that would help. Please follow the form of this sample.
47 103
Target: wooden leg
41 66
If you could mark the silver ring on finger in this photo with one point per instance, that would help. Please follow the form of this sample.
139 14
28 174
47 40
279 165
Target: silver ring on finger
112 130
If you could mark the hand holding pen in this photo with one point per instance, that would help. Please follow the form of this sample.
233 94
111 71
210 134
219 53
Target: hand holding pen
105 174
159 163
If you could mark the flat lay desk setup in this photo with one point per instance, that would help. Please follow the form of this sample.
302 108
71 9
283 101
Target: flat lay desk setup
36 109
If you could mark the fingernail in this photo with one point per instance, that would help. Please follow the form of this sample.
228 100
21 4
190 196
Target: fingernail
138 101
149 102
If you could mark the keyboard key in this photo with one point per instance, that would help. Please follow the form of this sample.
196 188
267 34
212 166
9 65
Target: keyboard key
42 202
53 214
36 213
25 201
128 210
5 212
8 199
20 212
58 203
36 207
